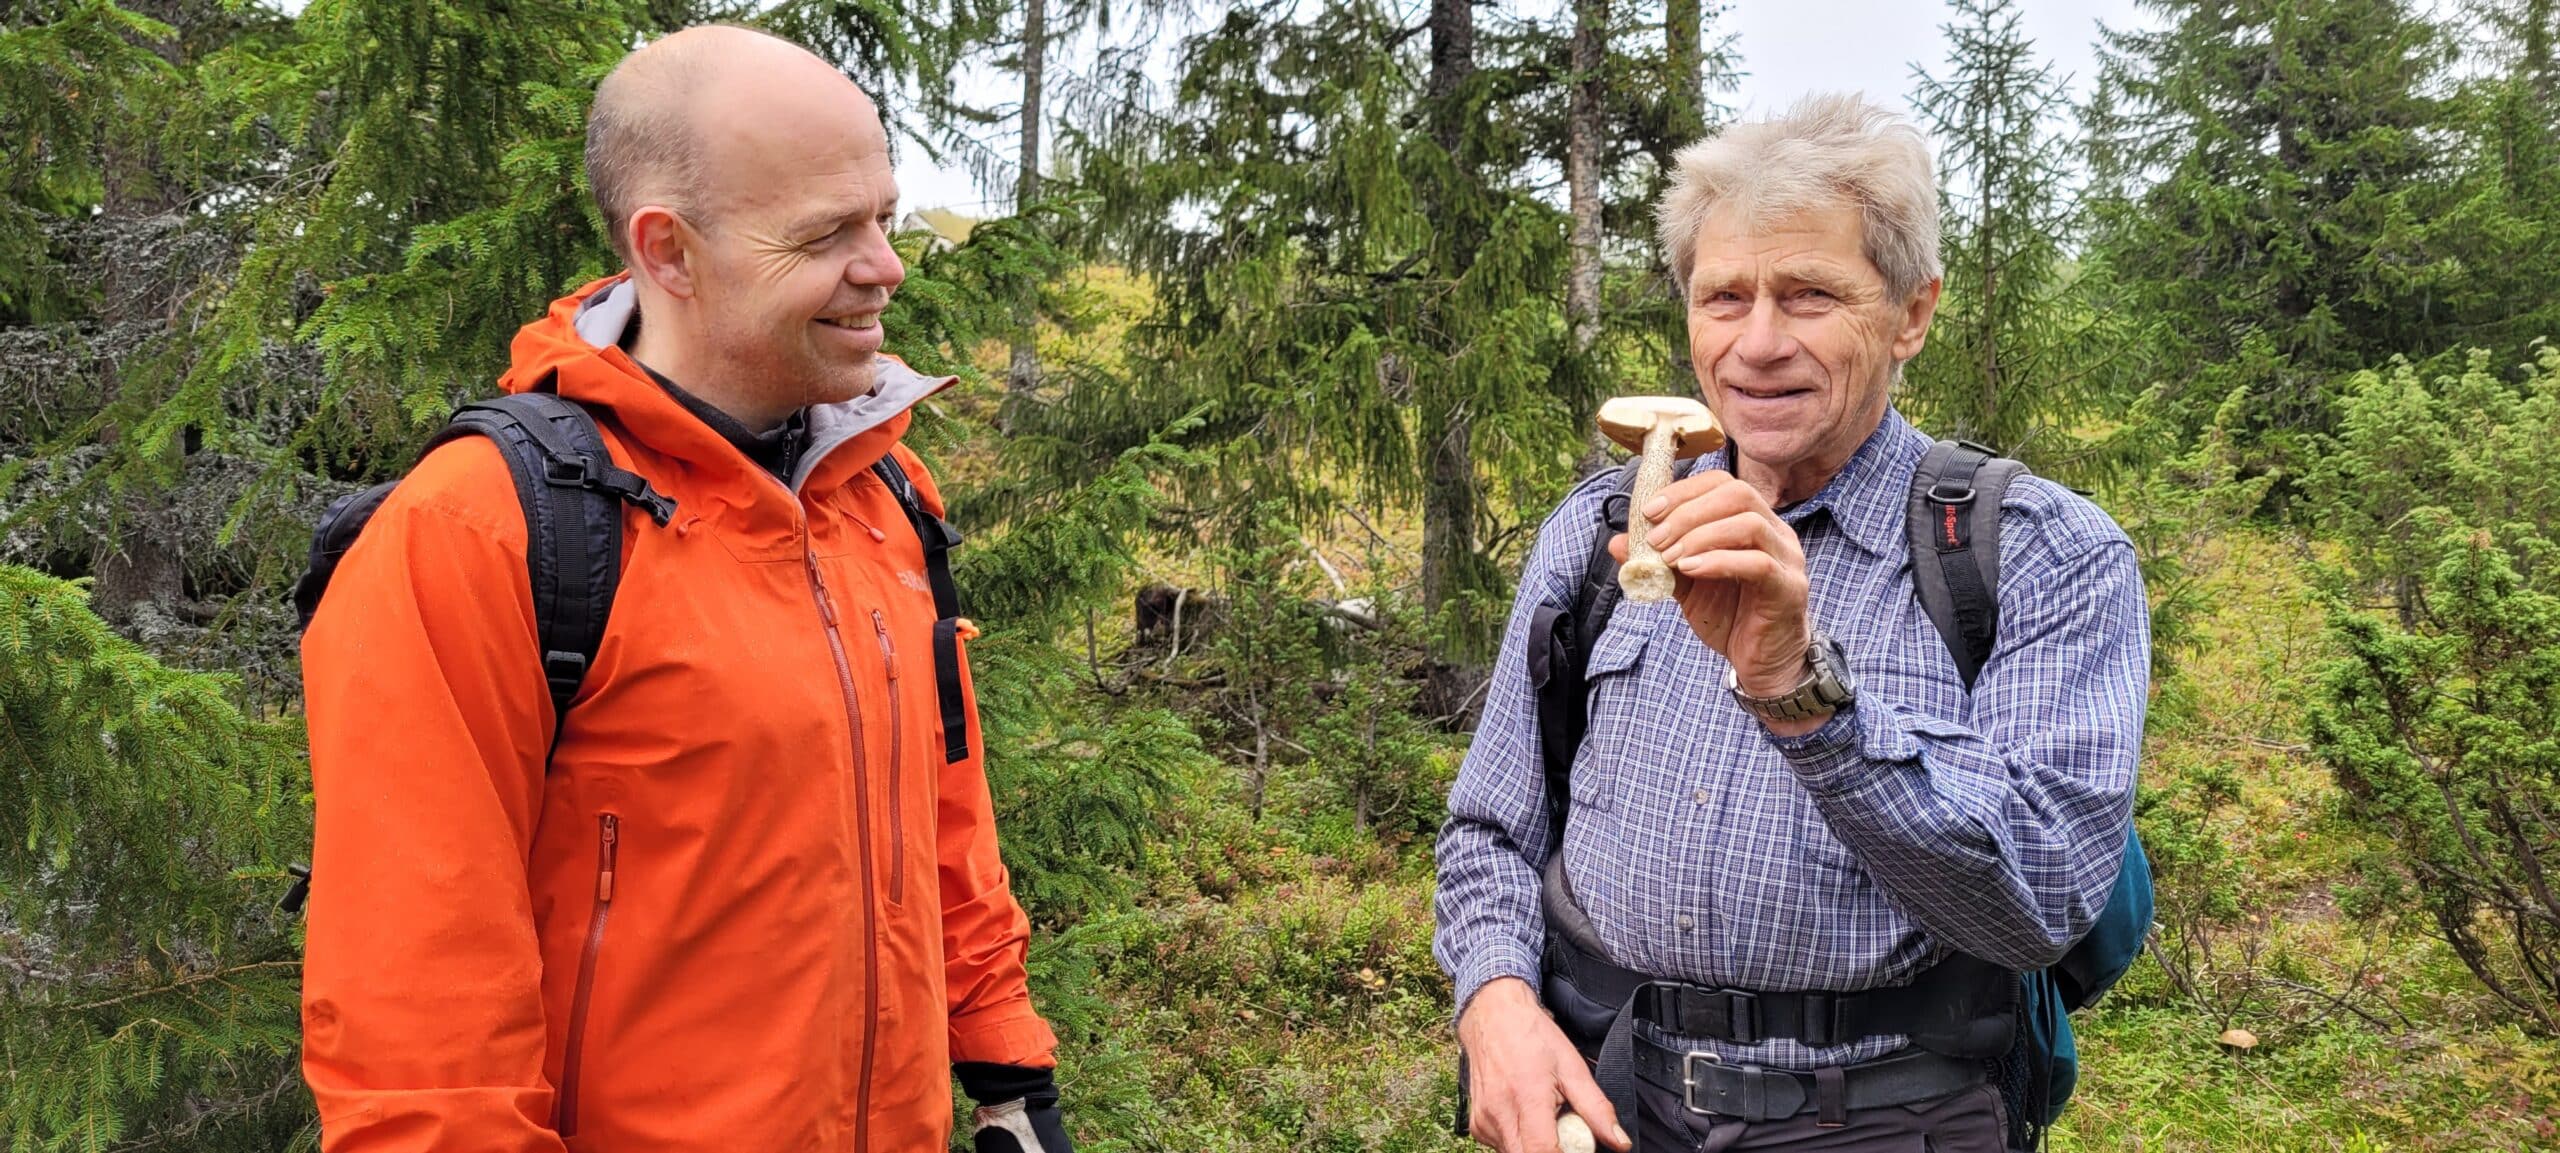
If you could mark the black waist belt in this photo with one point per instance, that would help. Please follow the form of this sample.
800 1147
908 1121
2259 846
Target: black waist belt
1751 1093
1957 1014
1951 997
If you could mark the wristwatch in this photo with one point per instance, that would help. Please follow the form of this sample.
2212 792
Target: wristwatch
1825 689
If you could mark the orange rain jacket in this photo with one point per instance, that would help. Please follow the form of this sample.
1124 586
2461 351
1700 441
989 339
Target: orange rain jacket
749 906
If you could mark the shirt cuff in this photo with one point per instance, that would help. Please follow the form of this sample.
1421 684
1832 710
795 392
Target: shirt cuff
1832 758
1491 963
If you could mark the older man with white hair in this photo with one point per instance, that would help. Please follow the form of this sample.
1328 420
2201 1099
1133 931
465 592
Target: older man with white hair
1806 847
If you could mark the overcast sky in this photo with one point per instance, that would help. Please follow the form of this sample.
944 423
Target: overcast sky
1788 48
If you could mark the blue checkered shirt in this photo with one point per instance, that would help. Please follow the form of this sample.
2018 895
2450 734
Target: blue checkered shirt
1917 821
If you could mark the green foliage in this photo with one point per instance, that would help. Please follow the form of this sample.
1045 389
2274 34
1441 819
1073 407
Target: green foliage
65 71
2016 357
2183 500
150 986
2265 170
2442 721
1356 288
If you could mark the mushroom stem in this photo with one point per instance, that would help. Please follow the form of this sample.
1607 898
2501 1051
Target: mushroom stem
1573 1135
1644 577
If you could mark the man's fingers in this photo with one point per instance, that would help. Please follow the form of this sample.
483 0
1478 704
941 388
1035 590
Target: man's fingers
1583 1096
1680 512
1749 566
1518 1118
1743 530
1689 488
1528 1126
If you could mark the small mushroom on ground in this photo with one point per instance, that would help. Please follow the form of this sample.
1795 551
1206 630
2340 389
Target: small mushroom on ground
2241 1040
1573 1135
1664 429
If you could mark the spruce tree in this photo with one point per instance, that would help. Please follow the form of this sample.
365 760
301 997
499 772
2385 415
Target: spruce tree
2013 359
148 985
1356 288
2272 164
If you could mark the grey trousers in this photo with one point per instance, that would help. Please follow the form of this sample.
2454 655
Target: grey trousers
1968 1121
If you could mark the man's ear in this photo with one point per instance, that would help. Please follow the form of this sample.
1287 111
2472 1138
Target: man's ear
663 249
1913 332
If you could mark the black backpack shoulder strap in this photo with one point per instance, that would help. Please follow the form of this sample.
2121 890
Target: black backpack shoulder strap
572 494
1954 530
1559 652
938 538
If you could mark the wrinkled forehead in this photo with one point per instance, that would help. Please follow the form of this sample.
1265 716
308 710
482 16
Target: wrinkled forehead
1826 241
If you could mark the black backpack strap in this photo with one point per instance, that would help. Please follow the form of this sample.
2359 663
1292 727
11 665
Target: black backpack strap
1559 650
572 494
938 538
1954 530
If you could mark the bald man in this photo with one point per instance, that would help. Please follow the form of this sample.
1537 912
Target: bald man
742 890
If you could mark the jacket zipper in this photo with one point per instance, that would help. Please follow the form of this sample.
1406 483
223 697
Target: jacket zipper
897 726
862 836
608 848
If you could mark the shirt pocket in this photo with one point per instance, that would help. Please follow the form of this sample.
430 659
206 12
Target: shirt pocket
1621 735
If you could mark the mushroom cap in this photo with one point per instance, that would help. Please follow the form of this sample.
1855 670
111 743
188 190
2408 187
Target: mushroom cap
1626 419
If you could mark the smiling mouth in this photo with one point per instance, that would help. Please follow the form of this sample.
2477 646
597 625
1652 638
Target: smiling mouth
1765 393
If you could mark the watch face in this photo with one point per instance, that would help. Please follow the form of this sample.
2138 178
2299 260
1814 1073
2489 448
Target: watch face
1832 670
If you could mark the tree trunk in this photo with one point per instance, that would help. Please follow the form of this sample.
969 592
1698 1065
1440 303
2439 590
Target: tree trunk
1450 491
137 563
1584 126
2538 62
1022 375
1683 33
1684 90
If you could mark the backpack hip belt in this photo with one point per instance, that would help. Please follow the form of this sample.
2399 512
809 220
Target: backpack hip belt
1960 1007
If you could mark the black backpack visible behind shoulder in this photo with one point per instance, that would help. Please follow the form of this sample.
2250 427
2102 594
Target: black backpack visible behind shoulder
572 494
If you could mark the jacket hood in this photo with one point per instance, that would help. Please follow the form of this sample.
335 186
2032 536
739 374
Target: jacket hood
575 349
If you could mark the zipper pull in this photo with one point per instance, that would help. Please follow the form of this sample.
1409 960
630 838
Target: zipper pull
888 652
611 848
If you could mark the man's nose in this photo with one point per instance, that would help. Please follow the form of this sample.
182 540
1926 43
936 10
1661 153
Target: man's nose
877 265
1765 339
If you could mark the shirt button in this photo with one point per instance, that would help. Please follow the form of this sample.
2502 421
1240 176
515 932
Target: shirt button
1686 924
1700 796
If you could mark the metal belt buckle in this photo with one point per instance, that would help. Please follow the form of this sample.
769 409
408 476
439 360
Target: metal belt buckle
1689 1078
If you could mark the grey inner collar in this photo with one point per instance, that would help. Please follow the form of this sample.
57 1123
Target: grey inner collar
603 318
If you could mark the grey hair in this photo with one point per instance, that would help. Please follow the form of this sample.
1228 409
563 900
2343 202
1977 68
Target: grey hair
1830 150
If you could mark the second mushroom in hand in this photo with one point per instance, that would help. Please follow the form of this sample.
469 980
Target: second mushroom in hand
1664 429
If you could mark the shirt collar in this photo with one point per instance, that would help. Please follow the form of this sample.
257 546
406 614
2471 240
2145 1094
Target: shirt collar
1869 497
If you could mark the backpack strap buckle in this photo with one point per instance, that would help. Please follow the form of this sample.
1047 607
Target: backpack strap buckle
569 471
564 672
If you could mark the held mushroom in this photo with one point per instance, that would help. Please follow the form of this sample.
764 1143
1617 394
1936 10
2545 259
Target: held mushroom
1664 429
1573 1135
